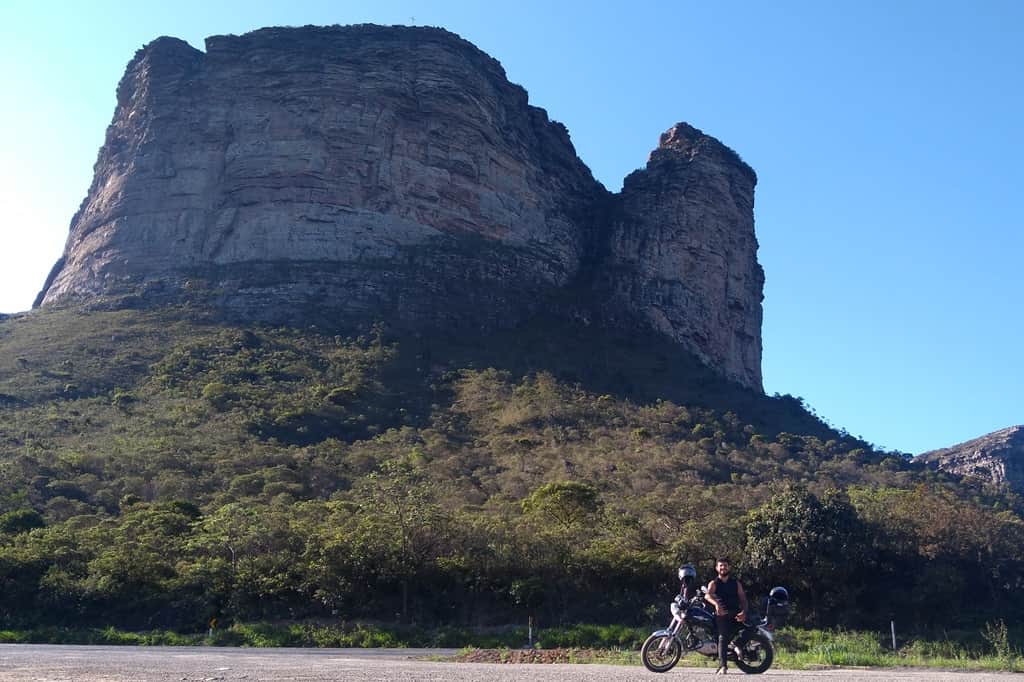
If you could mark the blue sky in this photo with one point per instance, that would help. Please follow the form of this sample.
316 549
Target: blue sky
888 138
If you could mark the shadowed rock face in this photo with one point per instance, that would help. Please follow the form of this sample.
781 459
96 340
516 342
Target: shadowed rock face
395 173
998 457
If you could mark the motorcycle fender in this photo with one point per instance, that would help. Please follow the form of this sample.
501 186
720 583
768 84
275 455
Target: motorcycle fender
767 633
661 633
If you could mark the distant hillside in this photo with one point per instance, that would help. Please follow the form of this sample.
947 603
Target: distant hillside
161 467
996 457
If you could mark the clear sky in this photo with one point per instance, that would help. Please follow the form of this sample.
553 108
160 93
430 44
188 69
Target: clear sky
888 138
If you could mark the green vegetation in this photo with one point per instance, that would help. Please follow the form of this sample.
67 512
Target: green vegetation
277 635
162 468
795 648
956 649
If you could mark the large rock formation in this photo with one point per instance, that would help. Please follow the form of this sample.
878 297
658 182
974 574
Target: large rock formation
683 253
395 173
997 457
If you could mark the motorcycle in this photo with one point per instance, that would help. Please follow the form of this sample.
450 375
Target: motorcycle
693 630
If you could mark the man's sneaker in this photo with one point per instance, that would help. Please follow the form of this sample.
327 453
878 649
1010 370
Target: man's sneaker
722 670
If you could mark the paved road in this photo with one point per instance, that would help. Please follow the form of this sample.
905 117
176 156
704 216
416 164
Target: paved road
24 662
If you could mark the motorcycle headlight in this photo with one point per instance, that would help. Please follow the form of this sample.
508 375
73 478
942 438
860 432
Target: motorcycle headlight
675 609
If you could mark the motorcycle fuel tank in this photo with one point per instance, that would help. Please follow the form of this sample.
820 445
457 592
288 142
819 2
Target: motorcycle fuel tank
695 615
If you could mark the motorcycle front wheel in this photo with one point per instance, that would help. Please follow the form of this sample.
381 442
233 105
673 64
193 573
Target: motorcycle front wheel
756 655
660 653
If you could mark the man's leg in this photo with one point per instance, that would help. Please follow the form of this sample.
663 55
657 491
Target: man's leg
724 625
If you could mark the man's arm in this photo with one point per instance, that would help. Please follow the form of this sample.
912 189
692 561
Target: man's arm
710 597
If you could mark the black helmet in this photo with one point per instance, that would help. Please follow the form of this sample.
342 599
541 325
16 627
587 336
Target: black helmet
687 573
779 595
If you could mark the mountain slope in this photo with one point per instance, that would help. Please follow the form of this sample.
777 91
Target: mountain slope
161 467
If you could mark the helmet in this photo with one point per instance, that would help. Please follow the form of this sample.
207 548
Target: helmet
779 595
687 573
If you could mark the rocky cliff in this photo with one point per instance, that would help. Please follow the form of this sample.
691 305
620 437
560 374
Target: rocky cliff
395 173
682 252
997 457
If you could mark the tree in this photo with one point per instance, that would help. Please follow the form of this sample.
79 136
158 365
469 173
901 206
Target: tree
20 521
247 558
814 546
400 521
567 503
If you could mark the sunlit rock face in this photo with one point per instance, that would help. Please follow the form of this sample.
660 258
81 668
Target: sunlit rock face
997 457
683 255
394 173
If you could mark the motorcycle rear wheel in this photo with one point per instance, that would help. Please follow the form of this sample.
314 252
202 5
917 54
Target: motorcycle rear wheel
756 656
660 653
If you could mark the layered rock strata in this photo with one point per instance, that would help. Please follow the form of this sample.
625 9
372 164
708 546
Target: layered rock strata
395 173
682 252
997 457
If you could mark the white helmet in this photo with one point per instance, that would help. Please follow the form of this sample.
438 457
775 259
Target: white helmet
687 573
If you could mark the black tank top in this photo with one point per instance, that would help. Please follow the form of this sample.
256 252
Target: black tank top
727 593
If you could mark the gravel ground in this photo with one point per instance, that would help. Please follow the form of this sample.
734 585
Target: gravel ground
38 663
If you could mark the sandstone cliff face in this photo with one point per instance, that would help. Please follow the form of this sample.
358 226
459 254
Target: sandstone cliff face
997 457
291 152
683 254
396 173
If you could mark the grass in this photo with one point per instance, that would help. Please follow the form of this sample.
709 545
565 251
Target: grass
803 649
108 635
261 635
796 649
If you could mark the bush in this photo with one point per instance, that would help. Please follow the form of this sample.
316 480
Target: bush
122 398
219 395
20 521
998 637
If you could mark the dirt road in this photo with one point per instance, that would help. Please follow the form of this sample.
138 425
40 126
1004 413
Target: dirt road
24 662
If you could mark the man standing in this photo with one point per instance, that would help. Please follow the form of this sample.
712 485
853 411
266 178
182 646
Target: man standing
726 594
